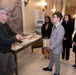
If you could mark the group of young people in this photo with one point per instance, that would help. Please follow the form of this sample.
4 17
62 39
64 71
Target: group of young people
57 32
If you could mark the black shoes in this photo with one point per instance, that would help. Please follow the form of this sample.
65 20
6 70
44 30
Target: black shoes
47 69
74 66
56 74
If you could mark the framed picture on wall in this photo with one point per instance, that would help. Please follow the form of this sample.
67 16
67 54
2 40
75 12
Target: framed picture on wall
39 24
14 8
39 19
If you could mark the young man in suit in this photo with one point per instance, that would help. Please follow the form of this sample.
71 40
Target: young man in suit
7 38
55 46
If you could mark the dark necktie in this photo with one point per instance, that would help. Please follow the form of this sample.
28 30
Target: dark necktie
54 28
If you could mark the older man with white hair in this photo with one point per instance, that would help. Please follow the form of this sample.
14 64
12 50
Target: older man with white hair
7 38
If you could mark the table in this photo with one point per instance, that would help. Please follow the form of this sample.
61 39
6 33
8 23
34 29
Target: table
20 47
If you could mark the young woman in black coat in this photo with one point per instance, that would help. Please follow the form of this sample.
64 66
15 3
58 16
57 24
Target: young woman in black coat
74 49
46 30
67 39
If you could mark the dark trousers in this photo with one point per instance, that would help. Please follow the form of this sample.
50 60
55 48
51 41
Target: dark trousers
66 53
7 64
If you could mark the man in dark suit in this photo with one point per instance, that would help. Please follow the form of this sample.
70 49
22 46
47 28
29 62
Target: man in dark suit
7 38
55 46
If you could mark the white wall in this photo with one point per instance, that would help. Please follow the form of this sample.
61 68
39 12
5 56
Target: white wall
30 15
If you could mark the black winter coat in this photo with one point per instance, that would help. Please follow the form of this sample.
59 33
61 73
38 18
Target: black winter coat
69 28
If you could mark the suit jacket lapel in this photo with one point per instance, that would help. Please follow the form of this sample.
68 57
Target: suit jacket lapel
54 29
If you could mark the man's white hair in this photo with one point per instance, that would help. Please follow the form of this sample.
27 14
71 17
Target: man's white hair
2 10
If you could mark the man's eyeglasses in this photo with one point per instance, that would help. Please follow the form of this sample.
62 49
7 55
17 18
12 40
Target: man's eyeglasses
54 17
5 13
